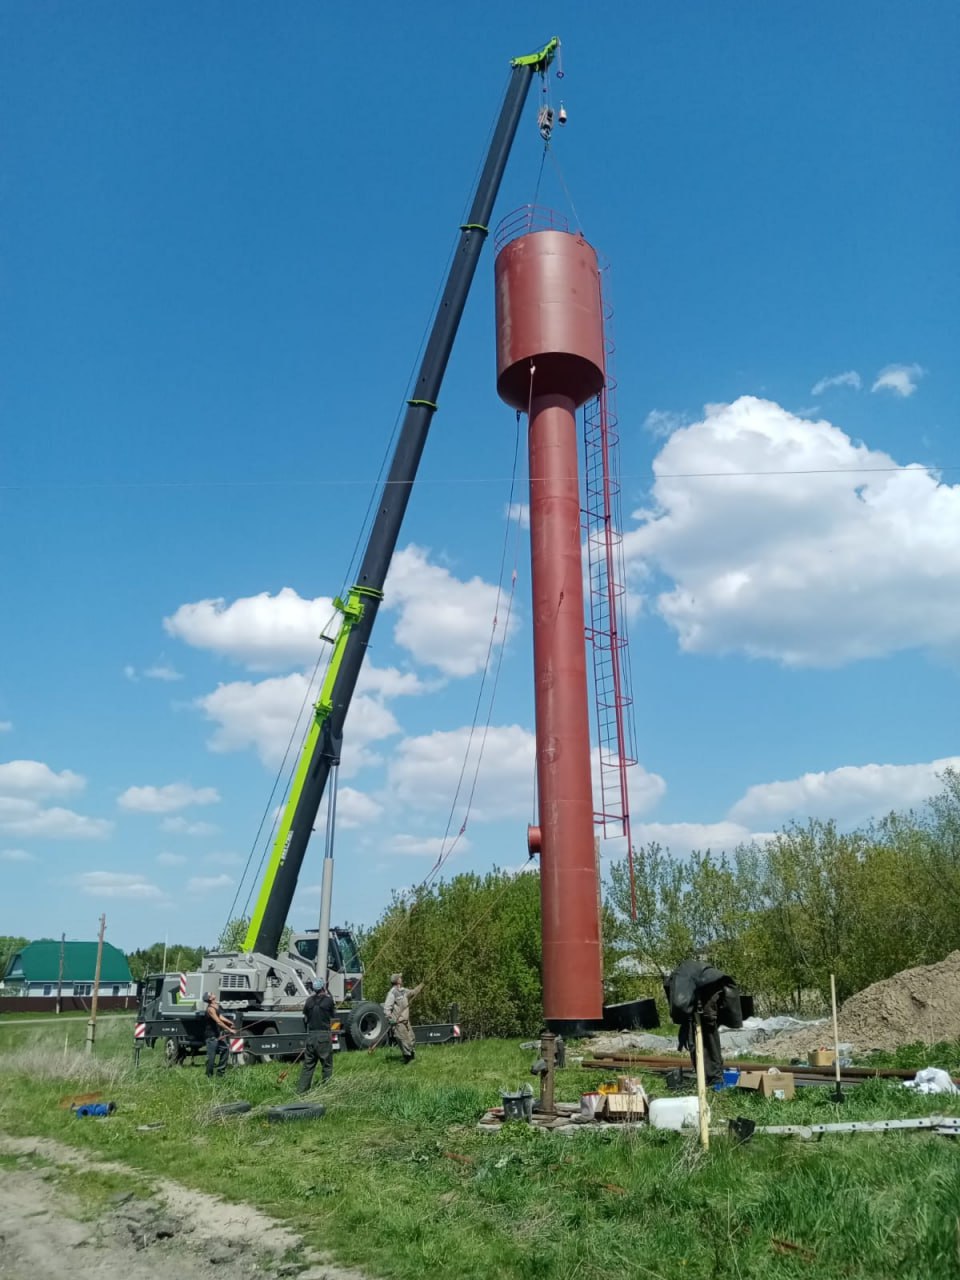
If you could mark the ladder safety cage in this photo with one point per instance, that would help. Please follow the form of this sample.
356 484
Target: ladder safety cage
607 625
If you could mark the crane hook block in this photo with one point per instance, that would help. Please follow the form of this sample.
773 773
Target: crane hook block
545 122
562 114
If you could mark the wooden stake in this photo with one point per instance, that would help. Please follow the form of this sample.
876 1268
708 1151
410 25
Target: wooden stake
92 1024
63 940
838 1095
701 1083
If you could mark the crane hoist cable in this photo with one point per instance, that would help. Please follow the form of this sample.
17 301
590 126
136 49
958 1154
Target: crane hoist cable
490 644
445 852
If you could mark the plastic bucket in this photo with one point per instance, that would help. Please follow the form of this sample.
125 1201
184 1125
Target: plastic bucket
731 1077
590 1104
518 1106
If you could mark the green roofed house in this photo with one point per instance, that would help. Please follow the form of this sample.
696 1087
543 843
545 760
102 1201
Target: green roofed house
35 970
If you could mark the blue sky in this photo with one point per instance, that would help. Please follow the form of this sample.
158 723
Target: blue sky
223 228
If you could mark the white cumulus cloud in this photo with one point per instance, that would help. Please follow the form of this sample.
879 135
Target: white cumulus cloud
425 846
423 771
162 671
849 379
167 799
850 794
33 778
112 884
21 816
263 714
443 621
170 859
355 808
901 379
785 539
661 423
682 838
519 511
263 632
208 884
16 855
184 827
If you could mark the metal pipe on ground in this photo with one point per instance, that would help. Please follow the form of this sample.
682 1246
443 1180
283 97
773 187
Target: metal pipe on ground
616 1061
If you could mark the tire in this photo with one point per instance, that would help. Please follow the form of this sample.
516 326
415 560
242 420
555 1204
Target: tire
367 1026
294 1111
229 1109
173 1052
248 1059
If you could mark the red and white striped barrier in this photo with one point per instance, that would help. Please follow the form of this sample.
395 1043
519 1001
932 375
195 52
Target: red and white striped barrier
140 1031
236 1044
183 985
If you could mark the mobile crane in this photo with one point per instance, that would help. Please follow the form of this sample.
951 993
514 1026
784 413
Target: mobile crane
262 990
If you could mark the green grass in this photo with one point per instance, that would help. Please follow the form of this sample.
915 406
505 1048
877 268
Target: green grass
395 1178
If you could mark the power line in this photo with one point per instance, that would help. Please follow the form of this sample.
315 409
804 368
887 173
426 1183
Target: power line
342 482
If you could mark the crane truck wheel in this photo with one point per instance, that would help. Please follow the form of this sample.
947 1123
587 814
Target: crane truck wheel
367 1025
173 1053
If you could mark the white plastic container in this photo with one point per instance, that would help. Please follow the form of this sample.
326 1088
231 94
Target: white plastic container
674 1113
590 1104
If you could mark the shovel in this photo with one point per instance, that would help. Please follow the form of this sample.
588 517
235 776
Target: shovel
837 1095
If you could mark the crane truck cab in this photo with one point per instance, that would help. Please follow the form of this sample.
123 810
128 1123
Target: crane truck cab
344 966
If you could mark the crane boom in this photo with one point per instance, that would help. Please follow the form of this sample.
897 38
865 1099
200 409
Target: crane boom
321 750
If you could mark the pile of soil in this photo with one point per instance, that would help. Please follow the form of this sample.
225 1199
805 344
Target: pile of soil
921 1004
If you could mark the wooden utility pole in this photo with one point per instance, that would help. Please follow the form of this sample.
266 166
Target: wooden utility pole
92 1024
702 1105
63 939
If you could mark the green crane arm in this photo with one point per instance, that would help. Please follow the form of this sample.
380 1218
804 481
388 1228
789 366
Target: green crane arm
321 750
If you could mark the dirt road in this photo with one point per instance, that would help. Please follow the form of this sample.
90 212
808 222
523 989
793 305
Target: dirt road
155 1227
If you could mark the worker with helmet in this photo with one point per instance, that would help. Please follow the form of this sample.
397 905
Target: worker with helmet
317 1014
397 1008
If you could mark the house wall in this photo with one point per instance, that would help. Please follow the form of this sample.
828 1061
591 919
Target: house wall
69 1004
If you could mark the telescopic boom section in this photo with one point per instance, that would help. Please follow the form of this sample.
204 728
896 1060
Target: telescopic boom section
322 747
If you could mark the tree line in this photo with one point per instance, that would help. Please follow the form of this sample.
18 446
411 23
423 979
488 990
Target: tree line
814 900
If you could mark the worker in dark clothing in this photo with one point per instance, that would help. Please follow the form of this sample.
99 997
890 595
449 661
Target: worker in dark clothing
317 1014
216 1029
710 1029
696 987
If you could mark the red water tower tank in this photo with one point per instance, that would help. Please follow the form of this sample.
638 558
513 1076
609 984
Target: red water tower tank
549 362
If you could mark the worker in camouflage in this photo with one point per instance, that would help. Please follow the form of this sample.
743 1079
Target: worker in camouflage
397 1008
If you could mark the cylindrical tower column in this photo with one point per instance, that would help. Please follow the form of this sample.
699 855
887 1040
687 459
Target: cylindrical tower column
550 360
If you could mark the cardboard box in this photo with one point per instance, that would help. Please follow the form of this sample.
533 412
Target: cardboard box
770 1084
625 1106
822 1058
